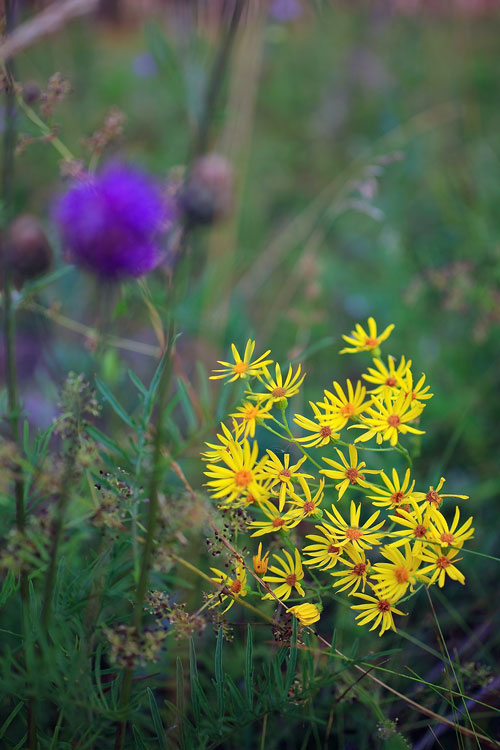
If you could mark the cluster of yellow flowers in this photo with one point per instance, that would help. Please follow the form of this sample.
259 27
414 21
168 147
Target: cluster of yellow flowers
413 539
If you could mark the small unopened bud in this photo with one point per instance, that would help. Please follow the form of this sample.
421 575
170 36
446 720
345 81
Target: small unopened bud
207 194
28 252
31 92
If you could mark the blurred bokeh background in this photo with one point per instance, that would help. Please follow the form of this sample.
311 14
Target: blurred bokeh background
365 144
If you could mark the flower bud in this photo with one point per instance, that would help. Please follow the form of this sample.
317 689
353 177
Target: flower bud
207 193
31 92
28 253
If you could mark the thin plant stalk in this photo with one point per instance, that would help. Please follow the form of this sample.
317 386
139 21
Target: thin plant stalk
7 190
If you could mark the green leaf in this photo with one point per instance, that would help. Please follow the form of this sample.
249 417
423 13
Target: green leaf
292 658
157 722
139 742
10 586
100 437
155 380
10 718
193 677
187 406
219 678
179 672
137 382
114 403
249 667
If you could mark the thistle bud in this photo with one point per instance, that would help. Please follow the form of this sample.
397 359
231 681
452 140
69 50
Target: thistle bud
28 252
207 194
31 92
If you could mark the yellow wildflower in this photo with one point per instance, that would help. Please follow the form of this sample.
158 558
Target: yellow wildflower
306 614
325 551
283 474
433 497
349 472
387 378
419 392
260 563
361 341
288 577
249 414
386 419
309 505
242 367
276 520
242 474
442 564
277 387
358 573
380 609
345 407
394 577
322 427
235 587
450 535
396 494
364 536
227 438
416 525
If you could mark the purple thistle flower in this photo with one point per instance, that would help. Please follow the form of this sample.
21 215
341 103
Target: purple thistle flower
109 222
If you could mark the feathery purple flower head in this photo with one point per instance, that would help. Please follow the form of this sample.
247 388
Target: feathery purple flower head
109 223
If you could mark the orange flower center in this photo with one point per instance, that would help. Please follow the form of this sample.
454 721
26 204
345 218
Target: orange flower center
250 499
448 538
442 563
243 478
309 507
391 382
278 523
352 475
236 586
393 420
397 497
291 579
278 392
371 342
359 569
325 431
384 606
419 531
433 497
402 575
240 367
333 550
286 474
348 410
353 534
251 413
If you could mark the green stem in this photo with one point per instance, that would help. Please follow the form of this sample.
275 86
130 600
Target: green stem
142 584
7 184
